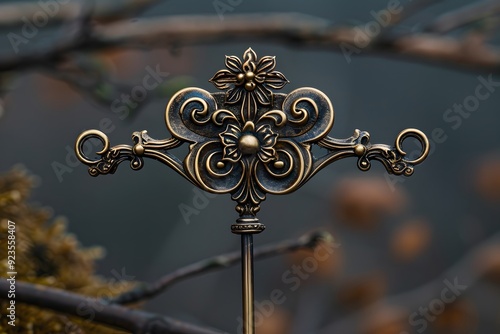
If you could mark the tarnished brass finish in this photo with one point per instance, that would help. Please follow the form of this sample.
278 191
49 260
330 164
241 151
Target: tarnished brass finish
248 141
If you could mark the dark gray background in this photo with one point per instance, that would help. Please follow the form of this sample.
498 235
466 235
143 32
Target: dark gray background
136 217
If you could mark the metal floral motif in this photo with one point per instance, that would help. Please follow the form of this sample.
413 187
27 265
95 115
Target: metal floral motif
249 140
251 81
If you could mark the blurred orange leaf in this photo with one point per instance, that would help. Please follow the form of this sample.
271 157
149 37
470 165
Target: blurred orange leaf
410 240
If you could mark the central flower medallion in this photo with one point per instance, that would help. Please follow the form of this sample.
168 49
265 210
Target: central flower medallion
249 142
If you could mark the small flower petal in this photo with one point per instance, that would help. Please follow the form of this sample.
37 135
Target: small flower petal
260 77
229 140
263 94
234 95
223 78
267 154
276 80
234 64
231 153
231 135
250 58
250 55
268 137
266 64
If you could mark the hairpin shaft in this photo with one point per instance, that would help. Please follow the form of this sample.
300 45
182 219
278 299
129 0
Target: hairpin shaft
247 282
247 227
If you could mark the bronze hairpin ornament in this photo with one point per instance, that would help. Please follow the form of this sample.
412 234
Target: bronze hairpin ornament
248 141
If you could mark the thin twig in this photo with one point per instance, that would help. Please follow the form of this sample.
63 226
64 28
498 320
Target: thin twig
135 321
145 291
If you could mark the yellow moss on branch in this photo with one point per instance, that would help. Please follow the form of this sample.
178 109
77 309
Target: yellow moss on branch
47 254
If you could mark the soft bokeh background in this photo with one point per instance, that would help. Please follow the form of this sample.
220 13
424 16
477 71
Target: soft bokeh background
398 237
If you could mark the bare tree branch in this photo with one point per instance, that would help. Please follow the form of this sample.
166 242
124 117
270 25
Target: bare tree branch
12 14
289 29
471 53
145 291
135 321
77 39
296 30
412 9
471 13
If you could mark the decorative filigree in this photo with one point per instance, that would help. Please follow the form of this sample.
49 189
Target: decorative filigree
248 140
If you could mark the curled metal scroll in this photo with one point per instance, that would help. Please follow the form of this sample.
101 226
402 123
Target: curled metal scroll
249 140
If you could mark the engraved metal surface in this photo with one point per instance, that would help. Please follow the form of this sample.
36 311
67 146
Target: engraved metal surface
249 140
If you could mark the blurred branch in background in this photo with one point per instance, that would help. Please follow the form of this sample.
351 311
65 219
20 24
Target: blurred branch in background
460 39
134 321
145 291
11 14
138 321
474 13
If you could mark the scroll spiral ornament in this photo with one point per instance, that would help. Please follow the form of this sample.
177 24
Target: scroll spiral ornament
249 140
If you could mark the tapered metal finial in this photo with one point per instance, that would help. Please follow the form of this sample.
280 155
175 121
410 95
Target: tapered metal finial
248 141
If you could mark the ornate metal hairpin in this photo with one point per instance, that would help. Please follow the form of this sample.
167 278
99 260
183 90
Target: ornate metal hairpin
248 141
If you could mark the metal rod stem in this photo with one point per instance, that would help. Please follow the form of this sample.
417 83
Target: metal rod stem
247 279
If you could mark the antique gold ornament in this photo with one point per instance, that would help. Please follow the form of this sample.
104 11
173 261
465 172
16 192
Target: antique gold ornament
248 141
